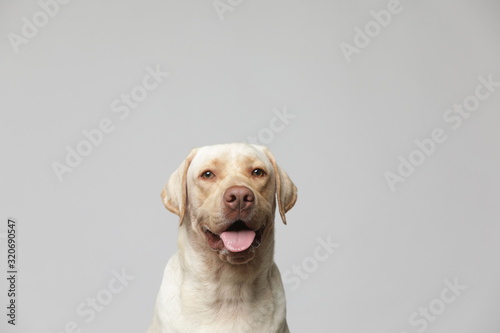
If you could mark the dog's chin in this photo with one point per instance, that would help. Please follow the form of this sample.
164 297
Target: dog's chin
236 258
216 243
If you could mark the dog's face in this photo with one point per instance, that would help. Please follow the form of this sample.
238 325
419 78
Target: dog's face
225 195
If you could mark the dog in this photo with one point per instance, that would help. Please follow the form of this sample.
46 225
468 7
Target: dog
223 278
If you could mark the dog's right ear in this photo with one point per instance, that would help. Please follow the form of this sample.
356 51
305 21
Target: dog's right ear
174 194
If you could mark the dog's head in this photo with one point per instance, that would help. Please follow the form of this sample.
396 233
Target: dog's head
225 195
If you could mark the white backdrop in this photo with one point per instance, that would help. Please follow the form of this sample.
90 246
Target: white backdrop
385 114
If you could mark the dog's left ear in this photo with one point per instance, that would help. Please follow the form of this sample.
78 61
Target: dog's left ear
174 194
286 191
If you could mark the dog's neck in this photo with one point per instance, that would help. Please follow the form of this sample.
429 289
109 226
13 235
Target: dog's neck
211 278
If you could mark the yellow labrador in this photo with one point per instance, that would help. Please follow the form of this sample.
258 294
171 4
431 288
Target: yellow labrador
223 279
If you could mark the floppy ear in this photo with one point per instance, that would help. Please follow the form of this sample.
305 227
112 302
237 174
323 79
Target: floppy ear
174 193
286 191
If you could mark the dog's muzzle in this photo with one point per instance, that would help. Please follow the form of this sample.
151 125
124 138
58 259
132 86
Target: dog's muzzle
237 238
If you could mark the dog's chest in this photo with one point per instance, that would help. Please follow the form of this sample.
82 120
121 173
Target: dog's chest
190 303
231 309
237 319
206 310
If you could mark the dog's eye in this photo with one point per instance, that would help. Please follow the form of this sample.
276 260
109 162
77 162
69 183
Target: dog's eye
258 172
207 174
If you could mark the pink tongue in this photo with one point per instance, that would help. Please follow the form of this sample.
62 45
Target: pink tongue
237 241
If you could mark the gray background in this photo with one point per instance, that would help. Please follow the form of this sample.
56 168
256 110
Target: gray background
352 122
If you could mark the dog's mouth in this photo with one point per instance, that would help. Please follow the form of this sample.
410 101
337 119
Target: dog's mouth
238 237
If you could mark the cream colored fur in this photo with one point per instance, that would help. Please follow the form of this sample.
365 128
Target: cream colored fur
204 290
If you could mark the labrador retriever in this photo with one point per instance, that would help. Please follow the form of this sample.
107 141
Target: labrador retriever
223 278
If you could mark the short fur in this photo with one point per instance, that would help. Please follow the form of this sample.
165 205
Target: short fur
215 290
